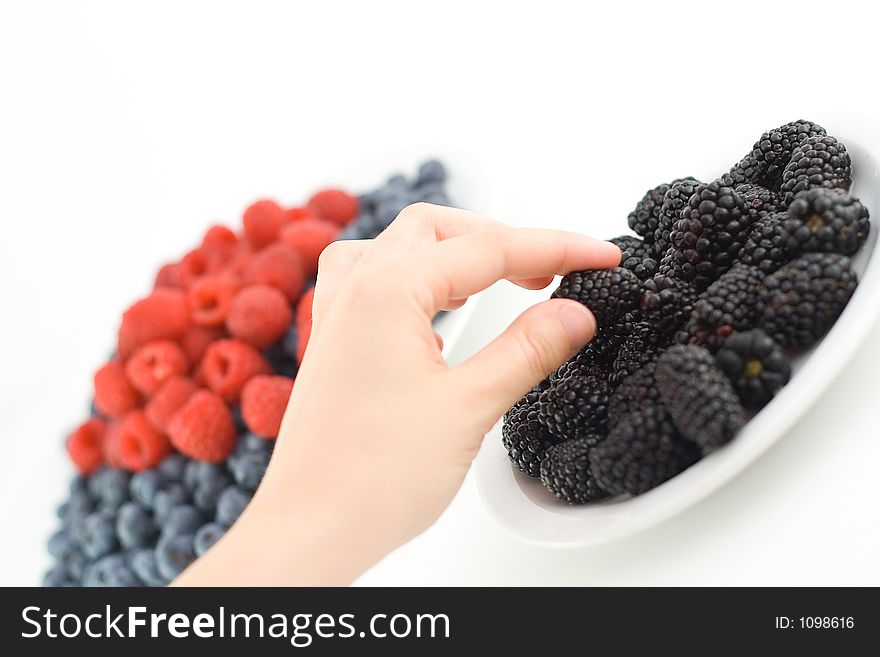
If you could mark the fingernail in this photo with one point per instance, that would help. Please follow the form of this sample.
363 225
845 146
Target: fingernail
578 322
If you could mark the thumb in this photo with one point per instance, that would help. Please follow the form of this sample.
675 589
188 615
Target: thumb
535 344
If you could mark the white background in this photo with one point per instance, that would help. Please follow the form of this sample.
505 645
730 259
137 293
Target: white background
125 128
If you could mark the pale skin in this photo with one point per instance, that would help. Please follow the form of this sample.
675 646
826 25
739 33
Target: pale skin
380 431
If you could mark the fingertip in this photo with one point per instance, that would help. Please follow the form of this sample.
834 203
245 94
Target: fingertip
578 321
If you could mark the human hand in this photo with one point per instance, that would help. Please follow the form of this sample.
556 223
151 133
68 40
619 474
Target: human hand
380 431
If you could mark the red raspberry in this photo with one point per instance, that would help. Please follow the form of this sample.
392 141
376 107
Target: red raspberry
219 237
153 363
138 445
309 237
168 276
110 445
164 315
196 340
203 429
114 395
262 221
263 402
210 297
334 205
296 214
279 266
304 322
84 445
193 266
168 399
240 260
227 366
259 315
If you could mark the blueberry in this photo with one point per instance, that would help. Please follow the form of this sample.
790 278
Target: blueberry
60 545
134 526
57 576
144 485
79 485
231 503
248 469
62 511
113 487
205 496
438 198
431 171
172 467
143 564
183 519
99 535
75 563
390 208
110 570
251 442
397 181
174 554
238 418
207 536
168 497
281 361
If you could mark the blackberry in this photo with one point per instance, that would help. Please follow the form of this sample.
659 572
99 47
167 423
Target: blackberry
609 339
644 219
772 152
574 407
636 255
699 397
524 436
755 365
801 301
730 304
764 247
674 201
639 348
566 472
608 293
759 201
667 303
825 220
708 236
819 161
584 363
642 450
634 392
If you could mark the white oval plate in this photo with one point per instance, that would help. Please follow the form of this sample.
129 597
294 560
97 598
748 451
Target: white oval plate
521 505
469 187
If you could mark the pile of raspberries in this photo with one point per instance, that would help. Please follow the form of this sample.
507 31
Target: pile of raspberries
696 326
186 410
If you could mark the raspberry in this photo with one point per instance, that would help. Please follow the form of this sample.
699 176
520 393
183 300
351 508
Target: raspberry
240 259
209 299
262 221
279 266
197 339
304 322
168 399
114 395
308 238
84 445
138 445
297 214
193 266
153 363
334 205
219 237
203 429
164 315
227 366
109 446
259 315
263 402
168 276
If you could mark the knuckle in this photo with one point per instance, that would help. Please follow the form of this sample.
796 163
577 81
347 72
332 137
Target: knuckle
418 213
333 255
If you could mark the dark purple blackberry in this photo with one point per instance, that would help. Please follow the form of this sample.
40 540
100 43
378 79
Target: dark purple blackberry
642 450
699 397
674 201
523 434
643 220
667 303
583 363
635 391
801 301
574 407
755 365
708 236
608 293
609 338
565 471
819 161
636 255
730 304
639 348
764 247
760 202
766 161
825 220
